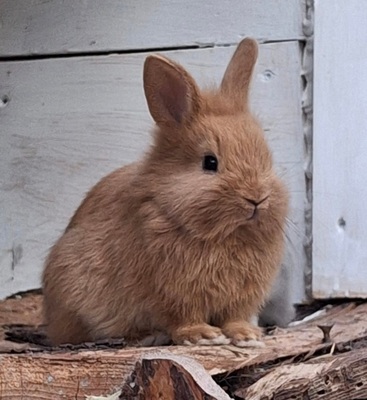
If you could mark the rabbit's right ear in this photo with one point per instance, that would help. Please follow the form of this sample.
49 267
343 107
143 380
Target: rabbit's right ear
171 93
237 78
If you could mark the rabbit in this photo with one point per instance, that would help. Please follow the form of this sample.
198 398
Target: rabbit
185 243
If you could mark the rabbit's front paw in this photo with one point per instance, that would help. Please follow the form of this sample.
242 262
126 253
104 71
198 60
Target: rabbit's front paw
200 334
243 334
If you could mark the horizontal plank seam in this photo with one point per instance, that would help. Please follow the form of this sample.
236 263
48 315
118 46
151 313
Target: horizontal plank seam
298 39
37 57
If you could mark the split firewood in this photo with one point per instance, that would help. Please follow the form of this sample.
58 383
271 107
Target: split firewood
341 377
170 377
80 371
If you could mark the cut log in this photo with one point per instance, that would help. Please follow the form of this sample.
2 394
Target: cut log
25 308
78 374
170 377
342 377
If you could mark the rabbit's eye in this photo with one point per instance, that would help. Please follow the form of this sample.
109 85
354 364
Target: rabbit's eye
210 163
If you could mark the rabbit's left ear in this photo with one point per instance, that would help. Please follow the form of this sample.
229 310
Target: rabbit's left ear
237 78
171 92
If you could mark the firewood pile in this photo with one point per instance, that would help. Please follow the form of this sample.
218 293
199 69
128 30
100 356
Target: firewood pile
323 356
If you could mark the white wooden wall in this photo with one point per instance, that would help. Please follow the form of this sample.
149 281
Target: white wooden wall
340 149
73 108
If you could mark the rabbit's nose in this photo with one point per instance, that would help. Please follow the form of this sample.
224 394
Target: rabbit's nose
256 203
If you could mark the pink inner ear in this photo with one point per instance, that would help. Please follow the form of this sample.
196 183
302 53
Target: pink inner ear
174 98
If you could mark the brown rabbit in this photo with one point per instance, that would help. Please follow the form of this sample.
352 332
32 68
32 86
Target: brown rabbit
186 242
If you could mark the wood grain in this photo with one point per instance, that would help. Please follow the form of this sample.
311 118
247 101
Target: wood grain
341 377
23 309
62 27
340 147
68 122
47 376
170 377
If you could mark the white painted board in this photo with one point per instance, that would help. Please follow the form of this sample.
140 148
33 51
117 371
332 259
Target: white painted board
340 150
30 27
68 122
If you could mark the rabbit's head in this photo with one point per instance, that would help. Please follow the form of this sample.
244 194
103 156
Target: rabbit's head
210 167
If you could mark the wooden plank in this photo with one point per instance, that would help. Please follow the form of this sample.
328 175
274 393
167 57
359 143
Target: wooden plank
340 147
25 310
86 373
68 122
62 27
341 377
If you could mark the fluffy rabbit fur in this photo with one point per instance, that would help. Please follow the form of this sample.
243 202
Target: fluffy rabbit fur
169 246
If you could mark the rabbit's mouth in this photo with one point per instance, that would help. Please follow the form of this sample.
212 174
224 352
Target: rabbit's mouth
254 215
256 207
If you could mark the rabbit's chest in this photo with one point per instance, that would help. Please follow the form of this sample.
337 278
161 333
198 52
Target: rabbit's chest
229 269
222 275
235 273
215 278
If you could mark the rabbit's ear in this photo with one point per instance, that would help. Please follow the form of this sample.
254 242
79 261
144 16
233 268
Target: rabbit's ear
237 78
171 93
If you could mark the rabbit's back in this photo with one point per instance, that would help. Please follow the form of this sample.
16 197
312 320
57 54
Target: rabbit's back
87 269
110 197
